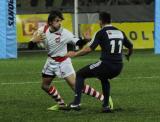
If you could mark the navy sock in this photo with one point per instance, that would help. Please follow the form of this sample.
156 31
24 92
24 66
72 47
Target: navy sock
78 89
106 92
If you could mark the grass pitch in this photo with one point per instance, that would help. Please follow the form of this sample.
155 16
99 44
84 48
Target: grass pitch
136 91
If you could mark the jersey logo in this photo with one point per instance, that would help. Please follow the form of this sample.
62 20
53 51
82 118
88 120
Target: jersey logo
114 34
109 33
57 40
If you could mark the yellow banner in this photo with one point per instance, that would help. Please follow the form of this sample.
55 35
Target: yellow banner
27 24
140 33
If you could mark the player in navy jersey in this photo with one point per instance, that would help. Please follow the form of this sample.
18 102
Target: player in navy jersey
111 40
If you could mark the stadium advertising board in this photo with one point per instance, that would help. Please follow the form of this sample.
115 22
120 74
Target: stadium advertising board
27 24
140 33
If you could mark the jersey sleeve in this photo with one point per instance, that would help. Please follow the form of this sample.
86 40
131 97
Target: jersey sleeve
95 41
126 42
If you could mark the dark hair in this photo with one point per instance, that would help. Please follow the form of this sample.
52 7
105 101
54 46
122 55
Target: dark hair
105 17
53 14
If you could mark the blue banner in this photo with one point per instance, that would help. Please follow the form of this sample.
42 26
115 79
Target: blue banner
157 27
8 42
2 28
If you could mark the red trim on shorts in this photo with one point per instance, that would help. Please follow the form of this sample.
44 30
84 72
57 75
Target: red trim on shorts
58 58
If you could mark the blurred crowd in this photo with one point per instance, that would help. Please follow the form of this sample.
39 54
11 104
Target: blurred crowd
64 3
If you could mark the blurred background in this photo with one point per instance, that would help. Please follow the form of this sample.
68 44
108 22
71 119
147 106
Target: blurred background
134 17
135 92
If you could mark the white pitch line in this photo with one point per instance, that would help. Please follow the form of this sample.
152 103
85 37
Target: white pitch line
139 77
19 83
22 83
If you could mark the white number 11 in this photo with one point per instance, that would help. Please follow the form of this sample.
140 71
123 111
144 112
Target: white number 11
112 43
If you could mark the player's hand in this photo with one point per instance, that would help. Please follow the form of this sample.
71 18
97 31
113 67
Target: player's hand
87 35
71 54
127 57
38 37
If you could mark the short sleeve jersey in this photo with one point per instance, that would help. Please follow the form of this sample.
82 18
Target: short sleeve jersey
111 41
56 42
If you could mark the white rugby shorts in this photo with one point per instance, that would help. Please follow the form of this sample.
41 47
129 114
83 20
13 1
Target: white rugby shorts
60 69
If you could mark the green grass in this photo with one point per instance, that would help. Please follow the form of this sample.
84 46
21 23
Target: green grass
136 91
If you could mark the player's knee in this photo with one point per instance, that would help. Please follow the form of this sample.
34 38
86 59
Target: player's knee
79 76
72 85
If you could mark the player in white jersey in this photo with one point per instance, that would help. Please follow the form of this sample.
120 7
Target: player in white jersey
55 38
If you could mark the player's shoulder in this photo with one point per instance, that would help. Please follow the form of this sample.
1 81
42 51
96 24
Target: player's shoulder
66 31
109 27
113 32
115 29
100 32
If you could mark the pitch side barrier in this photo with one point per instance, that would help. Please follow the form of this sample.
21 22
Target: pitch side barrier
140 33
27 24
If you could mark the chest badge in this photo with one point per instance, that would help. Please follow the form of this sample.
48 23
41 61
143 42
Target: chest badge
57 39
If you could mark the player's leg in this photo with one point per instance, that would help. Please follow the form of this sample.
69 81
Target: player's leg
108 71
48 74
92 92
106 92
87 72
80 78
51 90
70 78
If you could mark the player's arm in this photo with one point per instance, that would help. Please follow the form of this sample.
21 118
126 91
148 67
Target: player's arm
129 46
37 38
82 42
130 51
74 41
86 49
85 40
